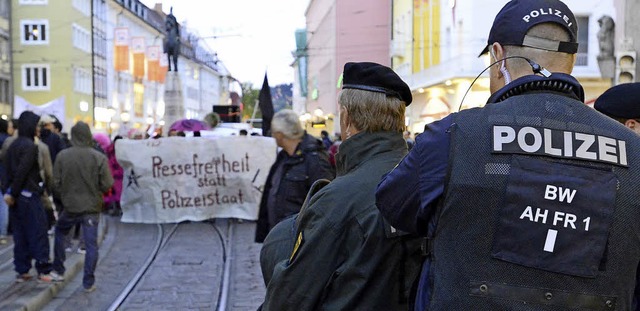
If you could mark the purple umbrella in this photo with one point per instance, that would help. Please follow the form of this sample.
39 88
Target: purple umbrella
189 125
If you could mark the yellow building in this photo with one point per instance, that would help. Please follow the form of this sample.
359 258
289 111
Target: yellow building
435 46
52 58
5 61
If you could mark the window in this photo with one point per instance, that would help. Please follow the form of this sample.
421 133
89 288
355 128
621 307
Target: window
81 38
84 6
4 49
4 91
99 43
34 32
583 41
36 77
33 2
4 8
82 80
100 82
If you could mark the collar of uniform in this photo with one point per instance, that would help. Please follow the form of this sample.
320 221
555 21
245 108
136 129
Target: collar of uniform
362 146
558 82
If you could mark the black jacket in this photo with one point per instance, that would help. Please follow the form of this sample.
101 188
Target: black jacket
309 163
340 256
54 142
23 171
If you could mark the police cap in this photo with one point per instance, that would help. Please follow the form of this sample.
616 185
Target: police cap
375 78
620 101
518 16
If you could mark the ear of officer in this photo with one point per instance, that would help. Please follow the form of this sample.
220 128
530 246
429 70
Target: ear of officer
510 69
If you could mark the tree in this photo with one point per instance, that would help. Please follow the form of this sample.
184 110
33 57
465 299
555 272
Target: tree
281 95
249 99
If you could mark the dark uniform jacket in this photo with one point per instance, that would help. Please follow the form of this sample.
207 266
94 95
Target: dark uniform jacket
342 258
530 203
309 163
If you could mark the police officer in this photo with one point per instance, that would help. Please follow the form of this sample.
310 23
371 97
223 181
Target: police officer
531 202
342 255
622 103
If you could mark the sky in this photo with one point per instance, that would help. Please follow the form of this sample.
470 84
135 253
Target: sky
254 35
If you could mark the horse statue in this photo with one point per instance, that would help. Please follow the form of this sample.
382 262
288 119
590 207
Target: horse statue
172 41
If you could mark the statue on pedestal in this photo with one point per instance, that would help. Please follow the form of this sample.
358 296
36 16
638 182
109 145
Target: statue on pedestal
172 40
605 37
606 42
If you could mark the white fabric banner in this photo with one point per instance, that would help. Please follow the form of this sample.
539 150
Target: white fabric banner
173 179
54 107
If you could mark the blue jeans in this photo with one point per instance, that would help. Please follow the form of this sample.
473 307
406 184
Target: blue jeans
89 223
4 216
30 234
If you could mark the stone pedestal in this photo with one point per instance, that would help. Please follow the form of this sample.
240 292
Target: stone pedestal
173 101
607 68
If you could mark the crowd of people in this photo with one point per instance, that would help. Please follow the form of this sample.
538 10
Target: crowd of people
52 185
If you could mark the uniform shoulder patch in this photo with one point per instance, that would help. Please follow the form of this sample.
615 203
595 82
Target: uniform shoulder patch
299 241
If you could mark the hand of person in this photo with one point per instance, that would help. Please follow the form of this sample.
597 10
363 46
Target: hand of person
9 199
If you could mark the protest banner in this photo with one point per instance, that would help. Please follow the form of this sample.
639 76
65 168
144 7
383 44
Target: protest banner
174 179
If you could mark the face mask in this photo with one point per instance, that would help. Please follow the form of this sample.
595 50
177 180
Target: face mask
503 70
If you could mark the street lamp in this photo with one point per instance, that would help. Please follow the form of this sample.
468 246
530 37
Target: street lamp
318 119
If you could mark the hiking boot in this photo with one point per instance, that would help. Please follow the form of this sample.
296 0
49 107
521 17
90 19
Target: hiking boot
20 278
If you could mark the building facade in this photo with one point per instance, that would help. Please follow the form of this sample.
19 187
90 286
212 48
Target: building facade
339 32
101 62
300 65
206 81
435 48
432 44
135 96
6 86
100 65
52 58
138 65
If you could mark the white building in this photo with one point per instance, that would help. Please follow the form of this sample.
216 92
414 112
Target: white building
136 89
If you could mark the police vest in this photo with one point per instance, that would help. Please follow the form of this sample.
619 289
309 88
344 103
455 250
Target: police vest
541 209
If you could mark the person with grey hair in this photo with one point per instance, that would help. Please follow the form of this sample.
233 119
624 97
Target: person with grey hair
356 261
302 160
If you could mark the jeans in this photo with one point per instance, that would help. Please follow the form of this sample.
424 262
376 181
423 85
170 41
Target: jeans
30 234
4 216
89 223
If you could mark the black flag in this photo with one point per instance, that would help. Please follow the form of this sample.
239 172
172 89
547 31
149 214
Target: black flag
266 107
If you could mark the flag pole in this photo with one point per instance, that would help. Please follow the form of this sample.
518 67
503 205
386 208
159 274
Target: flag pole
256 107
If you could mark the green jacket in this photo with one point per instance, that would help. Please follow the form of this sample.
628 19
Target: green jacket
342 258
81 174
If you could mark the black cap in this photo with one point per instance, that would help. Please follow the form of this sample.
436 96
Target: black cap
518 16
375 78
620 101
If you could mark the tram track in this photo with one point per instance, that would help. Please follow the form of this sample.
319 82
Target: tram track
189 265
6 258
164 237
